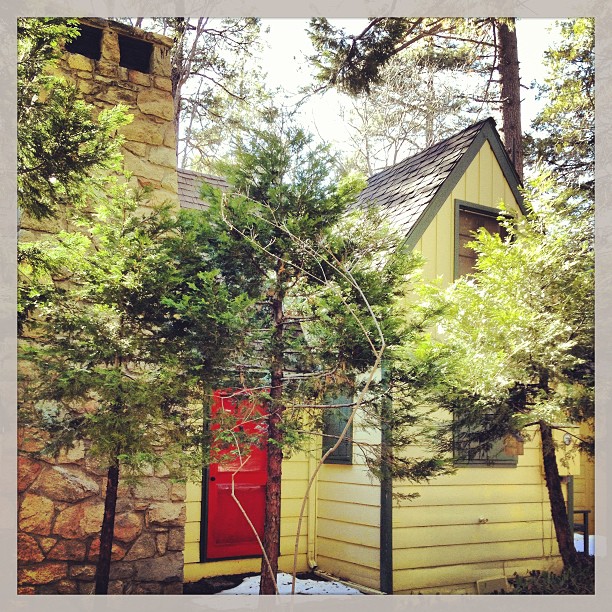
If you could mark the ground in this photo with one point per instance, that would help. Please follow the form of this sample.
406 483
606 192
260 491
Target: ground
308 583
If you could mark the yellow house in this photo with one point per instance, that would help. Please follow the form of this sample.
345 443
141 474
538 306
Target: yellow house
465 533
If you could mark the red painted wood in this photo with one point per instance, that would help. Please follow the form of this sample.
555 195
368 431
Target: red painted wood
228 532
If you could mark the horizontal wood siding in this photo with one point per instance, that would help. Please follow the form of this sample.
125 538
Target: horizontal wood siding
450 579
348 517
584 486
472 525
439 543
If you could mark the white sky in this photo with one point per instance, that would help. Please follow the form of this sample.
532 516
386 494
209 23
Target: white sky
284 61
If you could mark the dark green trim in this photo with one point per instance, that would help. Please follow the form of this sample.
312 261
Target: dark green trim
445 190
506 165
386 502
486 133
570 502
471 206
204 516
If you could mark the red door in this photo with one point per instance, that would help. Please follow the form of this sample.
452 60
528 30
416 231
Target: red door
228 533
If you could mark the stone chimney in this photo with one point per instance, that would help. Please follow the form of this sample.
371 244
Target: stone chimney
112 63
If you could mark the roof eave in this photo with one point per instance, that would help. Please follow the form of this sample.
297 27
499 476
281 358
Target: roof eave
489 134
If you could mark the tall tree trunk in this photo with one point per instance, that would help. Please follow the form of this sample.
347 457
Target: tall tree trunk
508 67
555 495
176 73
108 530
271 537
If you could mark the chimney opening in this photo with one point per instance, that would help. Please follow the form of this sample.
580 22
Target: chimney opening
135 54
87 43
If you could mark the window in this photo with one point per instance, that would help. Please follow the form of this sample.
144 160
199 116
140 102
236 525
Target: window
469 450
470 219
87 43
135 54
334 421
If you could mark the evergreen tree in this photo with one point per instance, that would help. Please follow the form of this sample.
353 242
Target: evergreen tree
564 141
328 293
130 322
521 336
353 63
416 103
59 142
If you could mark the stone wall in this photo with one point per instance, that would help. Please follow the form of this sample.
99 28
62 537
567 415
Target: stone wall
61 501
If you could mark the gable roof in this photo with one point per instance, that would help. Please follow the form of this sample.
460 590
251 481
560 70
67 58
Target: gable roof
189 184
412 192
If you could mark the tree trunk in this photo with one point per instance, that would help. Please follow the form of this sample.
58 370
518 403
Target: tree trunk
108 531
177 69
508 67
555 495
271 538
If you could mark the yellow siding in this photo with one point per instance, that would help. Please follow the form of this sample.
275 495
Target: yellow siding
483 183
348 514
439 543
584 486
461 579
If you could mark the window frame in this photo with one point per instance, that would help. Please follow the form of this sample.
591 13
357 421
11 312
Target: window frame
495 457
460 205
343 455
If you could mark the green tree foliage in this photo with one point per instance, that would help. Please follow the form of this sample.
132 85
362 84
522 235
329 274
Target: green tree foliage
565 139
521 334
59 142
129 322
328 290
354 62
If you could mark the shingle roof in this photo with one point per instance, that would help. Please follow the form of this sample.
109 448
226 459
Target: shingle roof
189 183
406 190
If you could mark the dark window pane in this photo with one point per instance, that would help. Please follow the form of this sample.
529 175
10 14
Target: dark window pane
470 450
469 222
87 43
135 54
334 421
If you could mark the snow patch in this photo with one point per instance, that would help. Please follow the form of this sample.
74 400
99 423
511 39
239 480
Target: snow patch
250 586
579 543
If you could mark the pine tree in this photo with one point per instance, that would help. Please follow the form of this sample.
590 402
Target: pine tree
328 290
354 62
521 335
564 140
59 142
129 322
